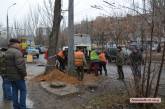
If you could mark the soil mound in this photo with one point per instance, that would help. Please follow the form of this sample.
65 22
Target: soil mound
57 75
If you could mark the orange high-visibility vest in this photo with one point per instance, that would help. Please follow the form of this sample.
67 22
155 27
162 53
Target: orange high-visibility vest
61 54
78 58
102 57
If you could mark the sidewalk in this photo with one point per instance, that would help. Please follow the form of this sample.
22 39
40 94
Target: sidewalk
8 105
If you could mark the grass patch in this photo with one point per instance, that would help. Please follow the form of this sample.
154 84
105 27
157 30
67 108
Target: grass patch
109 100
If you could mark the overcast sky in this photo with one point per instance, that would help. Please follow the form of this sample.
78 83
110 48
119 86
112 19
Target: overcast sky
82 8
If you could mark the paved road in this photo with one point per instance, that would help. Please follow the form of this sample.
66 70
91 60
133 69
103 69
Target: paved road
112 71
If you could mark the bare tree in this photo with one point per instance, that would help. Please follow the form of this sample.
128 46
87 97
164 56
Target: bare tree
151 25
46 13
33 20
54 35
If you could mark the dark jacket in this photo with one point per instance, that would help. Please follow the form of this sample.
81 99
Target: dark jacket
119 58
136 58
16 68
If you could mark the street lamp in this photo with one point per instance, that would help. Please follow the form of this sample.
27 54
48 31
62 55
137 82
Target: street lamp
8 21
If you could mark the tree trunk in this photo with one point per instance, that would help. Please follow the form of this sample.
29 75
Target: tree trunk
147 93
53 37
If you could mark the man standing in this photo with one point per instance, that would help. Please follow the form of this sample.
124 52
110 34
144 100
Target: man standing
120 62
80 62
159 48
103 62
6 84
136 61
94 62
16 72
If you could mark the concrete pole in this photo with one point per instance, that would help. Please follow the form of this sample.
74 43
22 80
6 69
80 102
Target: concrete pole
144 6
71 37
143 23
7 21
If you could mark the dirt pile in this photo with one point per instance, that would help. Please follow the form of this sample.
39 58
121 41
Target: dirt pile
57 75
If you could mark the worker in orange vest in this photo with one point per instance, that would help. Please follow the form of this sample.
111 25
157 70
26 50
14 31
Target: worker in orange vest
61 59
80 62
103 62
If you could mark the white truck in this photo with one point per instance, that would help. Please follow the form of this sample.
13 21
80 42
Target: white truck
83 41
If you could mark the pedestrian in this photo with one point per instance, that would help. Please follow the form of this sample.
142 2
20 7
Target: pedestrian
6 85
136 61
46 55
61 59
15 73
120 62
159 48
80 62
103 62
94 62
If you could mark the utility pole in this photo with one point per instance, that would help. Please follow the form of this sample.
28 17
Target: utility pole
71 37
143 23
7 21
144 6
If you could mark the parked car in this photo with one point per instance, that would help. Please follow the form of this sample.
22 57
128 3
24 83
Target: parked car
126 53
154 47
111 54
33 51
41 49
